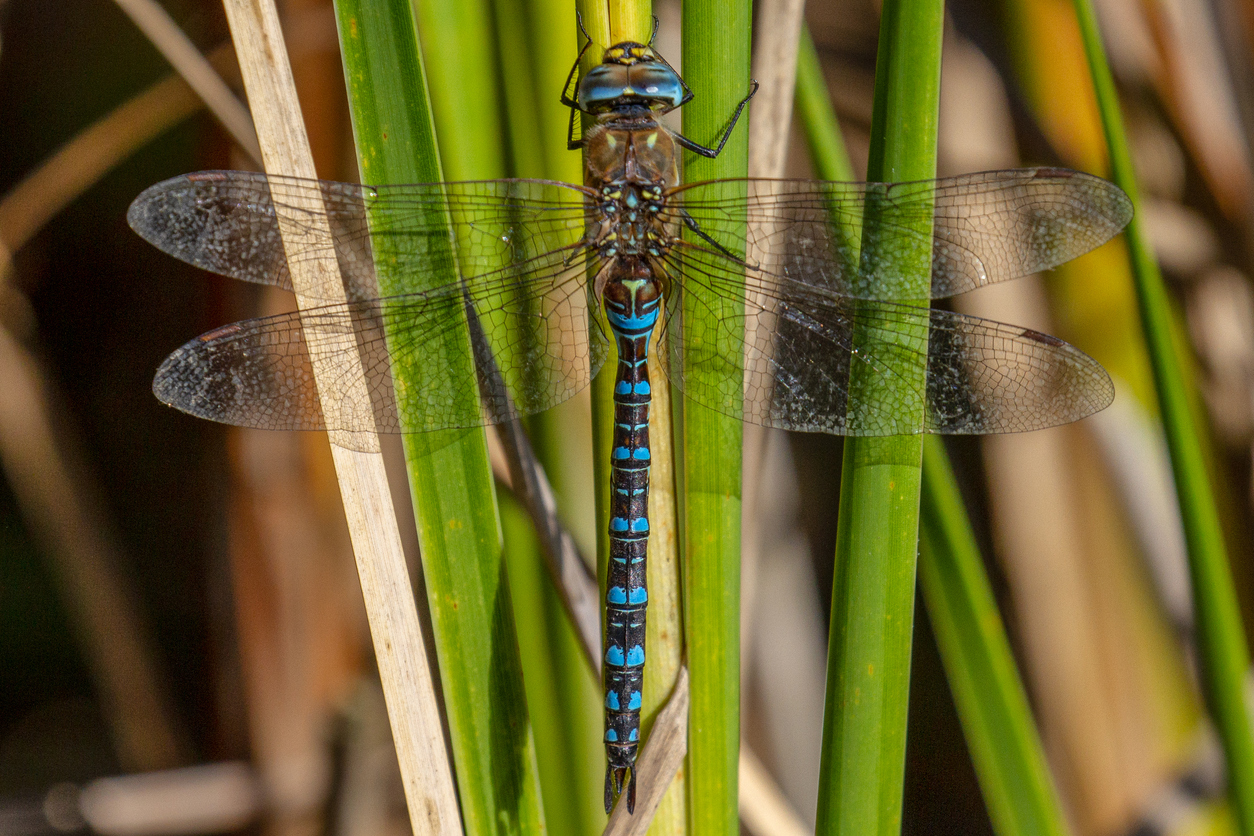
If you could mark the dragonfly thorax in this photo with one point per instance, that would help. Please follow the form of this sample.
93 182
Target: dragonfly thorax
630 222
630 149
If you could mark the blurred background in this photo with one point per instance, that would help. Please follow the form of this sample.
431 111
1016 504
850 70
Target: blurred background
183 646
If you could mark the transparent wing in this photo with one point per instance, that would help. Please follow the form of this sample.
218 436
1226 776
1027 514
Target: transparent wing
796 345
534 340
228 222
987 227
520 261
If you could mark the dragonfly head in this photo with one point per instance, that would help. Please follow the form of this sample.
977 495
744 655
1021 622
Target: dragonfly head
631 74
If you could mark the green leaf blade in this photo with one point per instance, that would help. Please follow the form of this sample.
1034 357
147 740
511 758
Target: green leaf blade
449 473
716 39
863 760
1222 645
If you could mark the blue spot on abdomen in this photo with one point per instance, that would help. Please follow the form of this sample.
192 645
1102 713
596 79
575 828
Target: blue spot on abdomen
635 656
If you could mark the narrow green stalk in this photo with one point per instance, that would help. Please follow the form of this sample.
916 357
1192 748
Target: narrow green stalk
818 118
536 45
1222 648
716 41
449 473
562 695
992 702
864 729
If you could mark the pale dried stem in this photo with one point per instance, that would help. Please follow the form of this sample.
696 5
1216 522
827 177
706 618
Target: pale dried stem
770 116
763 808
404 666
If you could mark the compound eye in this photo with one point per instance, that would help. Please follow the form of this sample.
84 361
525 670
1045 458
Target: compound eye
657 82
602 85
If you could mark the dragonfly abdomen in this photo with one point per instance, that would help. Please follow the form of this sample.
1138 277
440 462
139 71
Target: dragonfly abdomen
632 306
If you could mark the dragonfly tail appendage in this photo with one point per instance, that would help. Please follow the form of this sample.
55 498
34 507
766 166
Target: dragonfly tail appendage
615 776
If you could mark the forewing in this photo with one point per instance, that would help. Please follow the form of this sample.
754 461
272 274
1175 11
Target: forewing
987 227
227 222
534 342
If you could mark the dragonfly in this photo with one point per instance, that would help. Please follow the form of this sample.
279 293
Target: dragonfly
544 281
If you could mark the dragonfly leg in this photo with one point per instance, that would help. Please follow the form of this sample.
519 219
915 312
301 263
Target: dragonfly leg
692 224
714 152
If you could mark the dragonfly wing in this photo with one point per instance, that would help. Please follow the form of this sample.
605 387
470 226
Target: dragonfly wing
987 227
227 222
797 349
534 345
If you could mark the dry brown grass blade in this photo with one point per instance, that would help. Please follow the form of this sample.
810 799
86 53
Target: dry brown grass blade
64 514
763 808
82 161
399 647
40 459
165 35
571 576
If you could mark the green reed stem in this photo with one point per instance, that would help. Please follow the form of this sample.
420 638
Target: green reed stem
608 23
449 474
864 730
716 40
992 703
818 117
1222 648
991 700
536 45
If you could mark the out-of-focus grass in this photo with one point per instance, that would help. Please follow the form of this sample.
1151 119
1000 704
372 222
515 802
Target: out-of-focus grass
1223 651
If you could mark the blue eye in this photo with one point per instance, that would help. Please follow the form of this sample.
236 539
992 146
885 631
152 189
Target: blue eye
657 82
648 82
601 86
